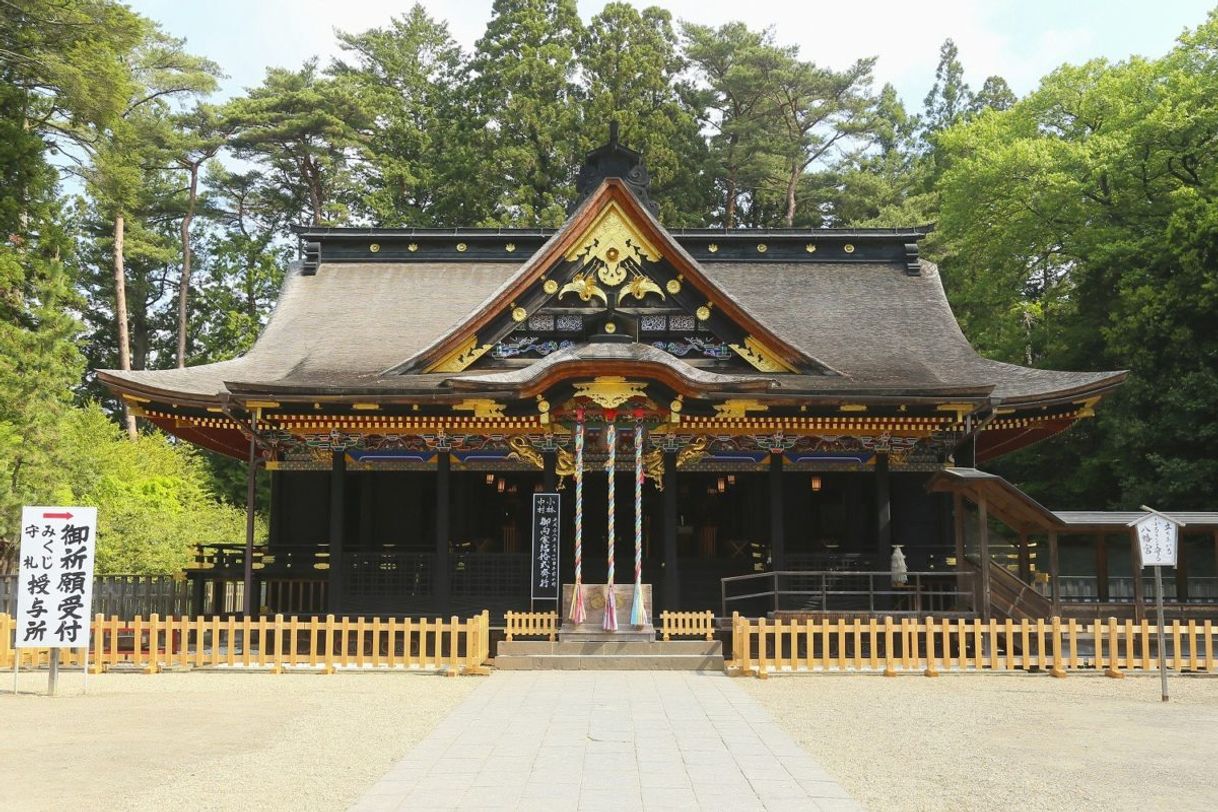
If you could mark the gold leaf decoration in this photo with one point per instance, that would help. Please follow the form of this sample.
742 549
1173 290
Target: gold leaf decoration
550 286
760 356
375 247
584 286
703 313
610 391
460 358
519 314
638 287
738 408
481 407
693 452
523 450
610 240
674 286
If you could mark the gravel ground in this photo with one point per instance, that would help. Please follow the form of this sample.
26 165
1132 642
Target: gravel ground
204 740
1006 742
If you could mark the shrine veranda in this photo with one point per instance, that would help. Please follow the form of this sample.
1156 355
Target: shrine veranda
779 408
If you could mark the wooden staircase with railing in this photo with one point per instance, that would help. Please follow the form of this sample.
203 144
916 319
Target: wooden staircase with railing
1010 596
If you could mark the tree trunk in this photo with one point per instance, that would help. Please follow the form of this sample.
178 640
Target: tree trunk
792 182
729 217
184 282
120 316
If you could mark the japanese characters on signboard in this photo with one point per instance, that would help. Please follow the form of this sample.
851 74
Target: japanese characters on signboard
1156 541
546 532
55 576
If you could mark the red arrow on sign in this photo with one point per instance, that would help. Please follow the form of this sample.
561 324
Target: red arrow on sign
57 515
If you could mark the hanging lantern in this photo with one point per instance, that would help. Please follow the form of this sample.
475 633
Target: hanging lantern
731 479
490 479
816 484
721 485
501 486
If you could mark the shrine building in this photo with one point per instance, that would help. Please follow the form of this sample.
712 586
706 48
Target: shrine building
794 401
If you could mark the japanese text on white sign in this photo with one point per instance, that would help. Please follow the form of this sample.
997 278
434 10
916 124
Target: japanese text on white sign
1157 541
55 576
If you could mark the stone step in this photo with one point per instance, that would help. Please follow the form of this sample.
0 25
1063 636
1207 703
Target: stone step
609 662
611 655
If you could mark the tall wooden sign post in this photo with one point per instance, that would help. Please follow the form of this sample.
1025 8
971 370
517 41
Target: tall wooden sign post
55 581
1157 545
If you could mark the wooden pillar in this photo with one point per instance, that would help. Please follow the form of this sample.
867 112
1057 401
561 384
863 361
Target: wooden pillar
549 469
1055 589
672 576
440 569
367 510
1135 559
1101 567
1025 559
883 511
337 571
1182 569
983 535
958 534
251 494
856 518
777 530
276 529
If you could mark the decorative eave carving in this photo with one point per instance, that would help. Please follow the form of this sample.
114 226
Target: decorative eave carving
760 356
610 391
460 358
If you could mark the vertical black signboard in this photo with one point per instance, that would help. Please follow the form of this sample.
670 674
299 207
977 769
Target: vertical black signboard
546 534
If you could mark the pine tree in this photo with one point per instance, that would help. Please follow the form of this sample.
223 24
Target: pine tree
524 89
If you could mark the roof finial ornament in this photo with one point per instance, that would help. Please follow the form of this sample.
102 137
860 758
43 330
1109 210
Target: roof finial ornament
614 160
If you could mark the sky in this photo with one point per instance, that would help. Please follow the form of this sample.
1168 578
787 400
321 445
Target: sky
1020 40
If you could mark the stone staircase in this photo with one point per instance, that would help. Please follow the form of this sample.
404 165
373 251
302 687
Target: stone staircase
610 655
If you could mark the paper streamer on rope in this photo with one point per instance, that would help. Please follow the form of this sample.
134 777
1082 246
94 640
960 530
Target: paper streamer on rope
638 616
610 624
578 613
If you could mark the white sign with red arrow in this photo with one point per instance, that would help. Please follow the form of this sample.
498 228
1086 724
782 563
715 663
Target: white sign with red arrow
55 576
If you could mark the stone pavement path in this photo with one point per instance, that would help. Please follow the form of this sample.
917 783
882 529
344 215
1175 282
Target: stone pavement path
620 740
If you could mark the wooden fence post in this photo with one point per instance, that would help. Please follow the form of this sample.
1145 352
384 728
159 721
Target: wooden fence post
1113 669
930 648
99 643
889 669
277 666
328 665
453 666
1058 670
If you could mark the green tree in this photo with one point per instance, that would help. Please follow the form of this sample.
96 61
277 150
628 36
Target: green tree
525 93
154 497
307 130
1082 226
631 68
421 167
732 63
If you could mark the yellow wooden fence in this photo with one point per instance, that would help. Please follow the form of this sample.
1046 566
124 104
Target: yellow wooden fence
928 646
530 624
277 644
687 624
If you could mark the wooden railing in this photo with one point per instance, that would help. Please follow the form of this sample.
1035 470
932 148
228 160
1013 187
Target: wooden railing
123 595
687 624
530 624
276 643
929 646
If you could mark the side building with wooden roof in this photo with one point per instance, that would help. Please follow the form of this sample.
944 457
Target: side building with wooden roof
795 392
